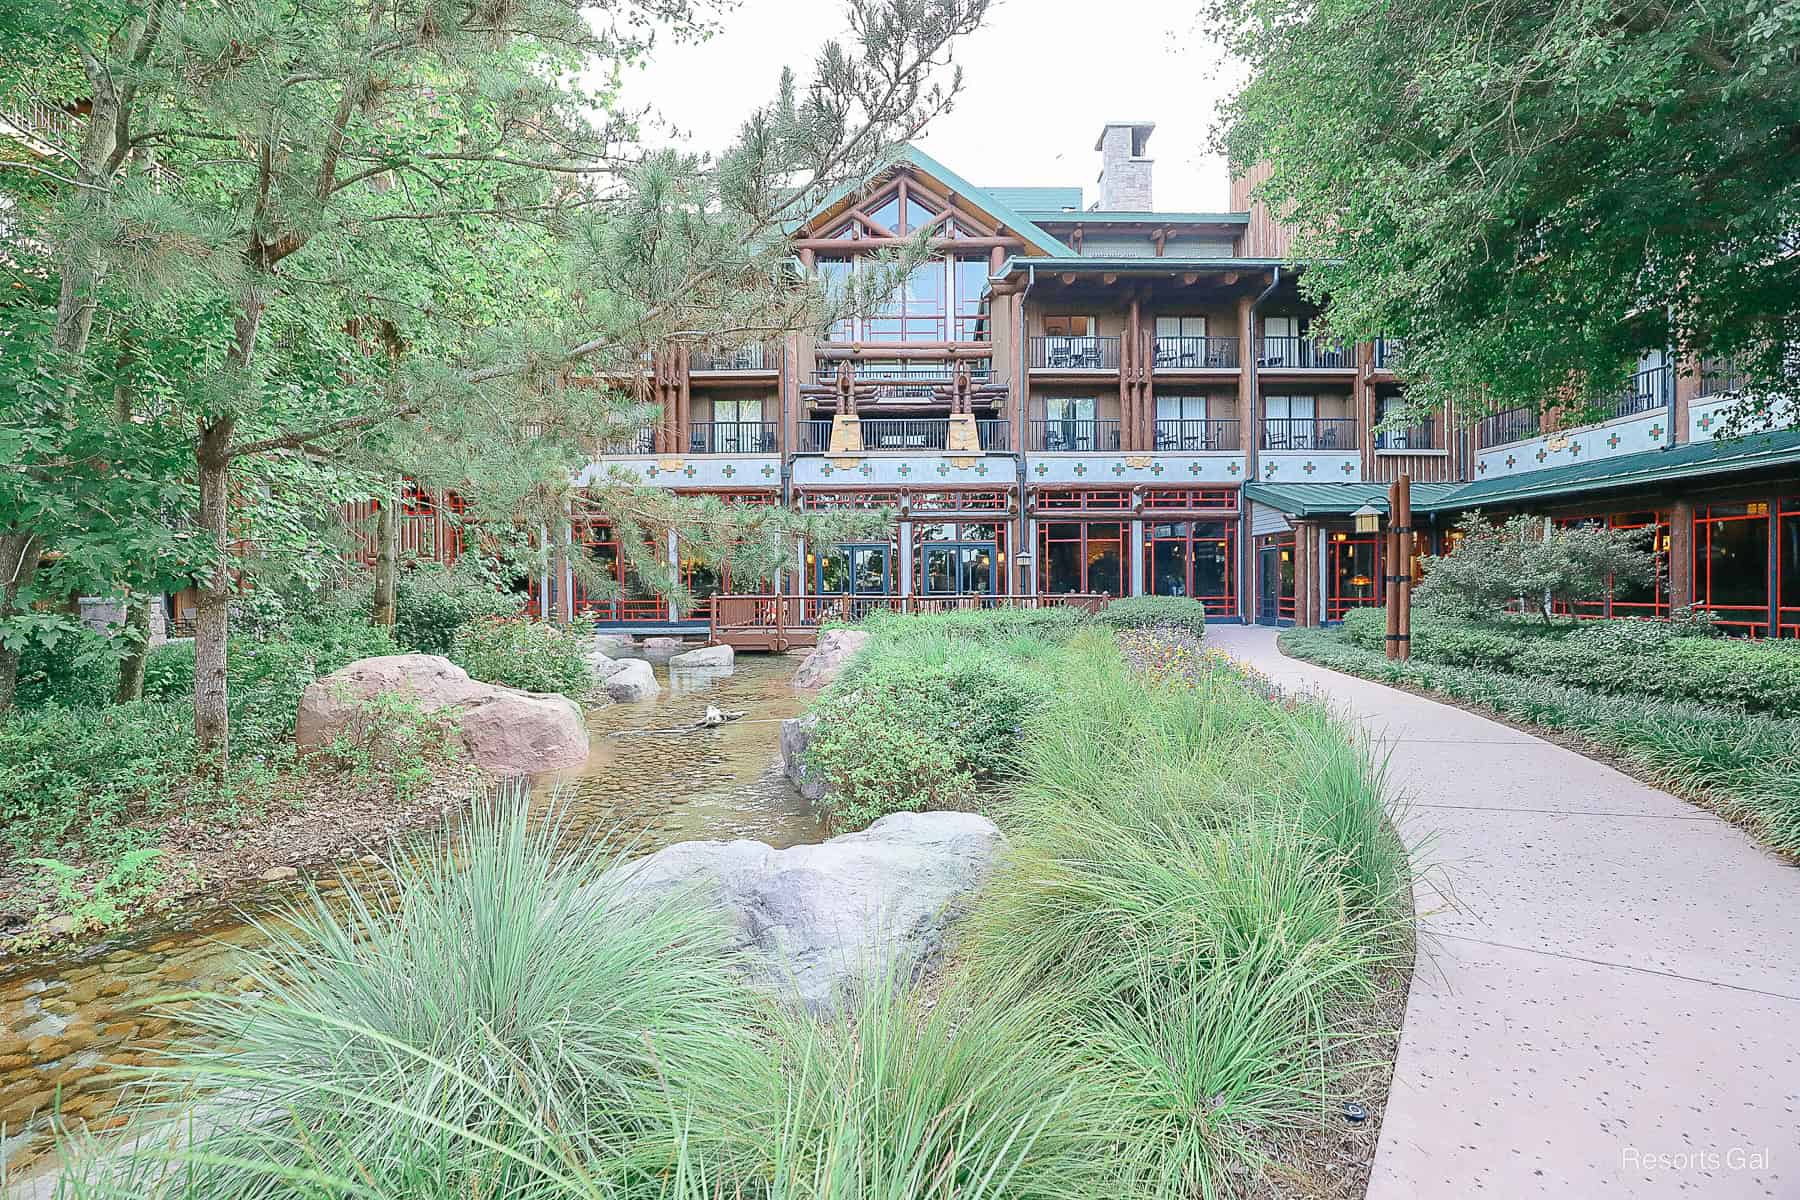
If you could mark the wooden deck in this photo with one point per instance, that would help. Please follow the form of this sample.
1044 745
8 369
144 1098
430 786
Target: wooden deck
777 623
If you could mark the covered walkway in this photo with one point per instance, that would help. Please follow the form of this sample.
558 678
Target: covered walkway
1607 998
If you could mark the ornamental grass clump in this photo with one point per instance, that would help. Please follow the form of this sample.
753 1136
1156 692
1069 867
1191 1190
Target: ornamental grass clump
490 1025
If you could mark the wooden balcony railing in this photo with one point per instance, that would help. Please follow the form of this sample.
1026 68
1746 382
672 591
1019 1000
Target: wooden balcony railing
733 437
1303 353
1059 352
755 357
1428 434
1196 433
904 370
1309 433
1196 353
1509 425
1063 434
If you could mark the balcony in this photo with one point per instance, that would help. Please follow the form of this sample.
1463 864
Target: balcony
756 357
1387 353
1065 353
636 441
1719 377
1303 354
1647 391
1069 435
1510 425
1309 433
1196 354
921 434
1427 435
733 437
1196 434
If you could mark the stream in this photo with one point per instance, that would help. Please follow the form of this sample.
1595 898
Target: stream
651 779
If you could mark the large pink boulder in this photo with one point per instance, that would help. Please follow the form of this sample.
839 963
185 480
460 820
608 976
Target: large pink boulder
835 649
505 730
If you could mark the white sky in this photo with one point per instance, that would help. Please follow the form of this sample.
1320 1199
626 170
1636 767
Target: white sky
1040 78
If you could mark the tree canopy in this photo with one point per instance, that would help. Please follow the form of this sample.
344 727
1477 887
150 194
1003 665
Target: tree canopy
1529 194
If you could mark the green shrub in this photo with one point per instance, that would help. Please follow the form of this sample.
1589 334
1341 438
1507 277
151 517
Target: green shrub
925 712
1744 765
1155 612
431 605
533 655
79 670
169 671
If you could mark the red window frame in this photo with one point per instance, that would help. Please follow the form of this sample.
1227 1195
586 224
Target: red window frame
1339 547
1223 601
1708 519
1084 500
592 534
964 500
1787 530
1609 605
1085 539
1191 499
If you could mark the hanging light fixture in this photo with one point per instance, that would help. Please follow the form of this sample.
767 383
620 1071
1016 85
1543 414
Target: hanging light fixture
1368 519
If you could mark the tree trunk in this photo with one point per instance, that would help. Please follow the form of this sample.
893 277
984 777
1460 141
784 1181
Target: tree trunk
387 560
212 624
18 562
131 669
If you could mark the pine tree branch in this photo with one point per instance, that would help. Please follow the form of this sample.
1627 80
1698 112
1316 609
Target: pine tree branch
295 441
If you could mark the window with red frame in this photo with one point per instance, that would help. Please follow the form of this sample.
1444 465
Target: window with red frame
813 501
1082 556
1353 573
1731 564
1084 500
633 601
1787 565
966 500
1649 599
1190 499
1193 559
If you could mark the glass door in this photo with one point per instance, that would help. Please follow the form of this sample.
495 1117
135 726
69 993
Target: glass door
853 580
1268 592
958 569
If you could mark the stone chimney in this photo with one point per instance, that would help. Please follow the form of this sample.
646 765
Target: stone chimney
1124 167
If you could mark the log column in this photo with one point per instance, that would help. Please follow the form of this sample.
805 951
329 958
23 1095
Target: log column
1681 553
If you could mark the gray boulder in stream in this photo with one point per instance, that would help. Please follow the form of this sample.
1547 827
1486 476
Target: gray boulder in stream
796 737
820 919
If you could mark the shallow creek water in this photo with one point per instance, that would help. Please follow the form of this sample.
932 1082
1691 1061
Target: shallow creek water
651 779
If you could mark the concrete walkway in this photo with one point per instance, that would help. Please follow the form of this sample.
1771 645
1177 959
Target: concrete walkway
1607 999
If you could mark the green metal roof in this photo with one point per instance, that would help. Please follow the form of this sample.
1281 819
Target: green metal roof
1711 457
986 201
1169 264
1338 499
1123 217
1753 452
1034 200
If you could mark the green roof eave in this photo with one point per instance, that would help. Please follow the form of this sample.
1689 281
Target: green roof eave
911 155
1146 265
1123 217
1711 457
1337 499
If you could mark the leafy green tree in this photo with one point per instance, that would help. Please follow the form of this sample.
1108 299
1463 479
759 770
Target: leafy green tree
1529 195
1535 562
281 178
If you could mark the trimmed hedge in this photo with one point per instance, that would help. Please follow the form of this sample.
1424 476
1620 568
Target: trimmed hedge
1745 765
1671 661
1155 612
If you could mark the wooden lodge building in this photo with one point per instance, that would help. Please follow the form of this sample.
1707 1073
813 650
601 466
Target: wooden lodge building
1117 400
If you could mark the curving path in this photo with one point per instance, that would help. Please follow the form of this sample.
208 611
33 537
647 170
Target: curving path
1607 999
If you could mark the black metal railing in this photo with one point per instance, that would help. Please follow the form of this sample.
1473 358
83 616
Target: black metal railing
1648 390
923 434
756 357
1309 433
1303 353
1719 377
1058 352
1196 353
1075 434
1196 433
732 437
637 441
1426 435
1510 425
1387 353
905 370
